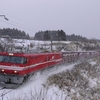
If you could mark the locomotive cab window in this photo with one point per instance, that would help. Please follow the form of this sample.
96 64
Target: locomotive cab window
13 59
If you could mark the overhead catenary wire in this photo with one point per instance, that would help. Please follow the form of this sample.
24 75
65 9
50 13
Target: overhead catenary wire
20 27
18 23
24 21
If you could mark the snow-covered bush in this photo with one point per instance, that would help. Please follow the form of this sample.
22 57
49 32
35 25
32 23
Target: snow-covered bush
81 83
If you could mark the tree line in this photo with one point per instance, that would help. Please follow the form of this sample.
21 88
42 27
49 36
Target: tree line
14 33
56 35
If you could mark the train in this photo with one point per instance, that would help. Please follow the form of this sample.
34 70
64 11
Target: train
16 68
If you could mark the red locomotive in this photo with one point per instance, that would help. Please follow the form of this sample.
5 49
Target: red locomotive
15 68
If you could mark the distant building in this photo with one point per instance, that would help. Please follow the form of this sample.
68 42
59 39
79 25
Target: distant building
6 37
51 35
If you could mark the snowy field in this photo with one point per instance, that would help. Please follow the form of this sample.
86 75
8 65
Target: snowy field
75 81
30 45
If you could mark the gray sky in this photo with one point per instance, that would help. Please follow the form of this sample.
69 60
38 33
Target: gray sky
81 17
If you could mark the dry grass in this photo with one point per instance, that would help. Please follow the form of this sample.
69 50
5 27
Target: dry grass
84 79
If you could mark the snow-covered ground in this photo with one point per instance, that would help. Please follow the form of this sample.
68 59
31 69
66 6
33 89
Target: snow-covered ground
35 86
27 45
41 86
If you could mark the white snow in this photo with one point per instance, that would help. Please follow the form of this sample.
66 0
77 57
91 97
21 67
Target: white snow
35 86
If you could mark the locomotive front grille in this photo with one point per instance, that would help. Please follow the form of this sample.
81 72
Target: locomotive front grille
11 79
8 80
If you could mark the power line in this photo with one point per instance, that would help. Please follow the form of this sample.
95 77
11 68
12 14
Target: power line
32 31
22 21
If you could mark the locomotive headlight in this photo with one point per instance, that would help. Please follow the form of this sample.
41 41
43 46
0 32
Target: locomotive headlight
15 71
2 70
11 54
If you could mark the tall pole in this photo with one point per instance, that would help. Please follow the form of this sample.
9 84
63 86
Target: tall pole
51 38
51 44
4 17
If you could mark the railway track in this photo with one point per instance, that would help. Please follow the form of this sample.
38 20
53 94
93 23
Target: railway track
6 89
4 93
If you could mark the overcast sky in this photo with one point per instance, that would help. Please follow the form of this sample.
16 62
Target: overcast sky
80 17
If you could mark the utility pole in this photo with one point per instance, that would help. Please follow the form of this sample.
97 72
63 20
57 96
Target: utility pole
51 44
51 39
4 17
